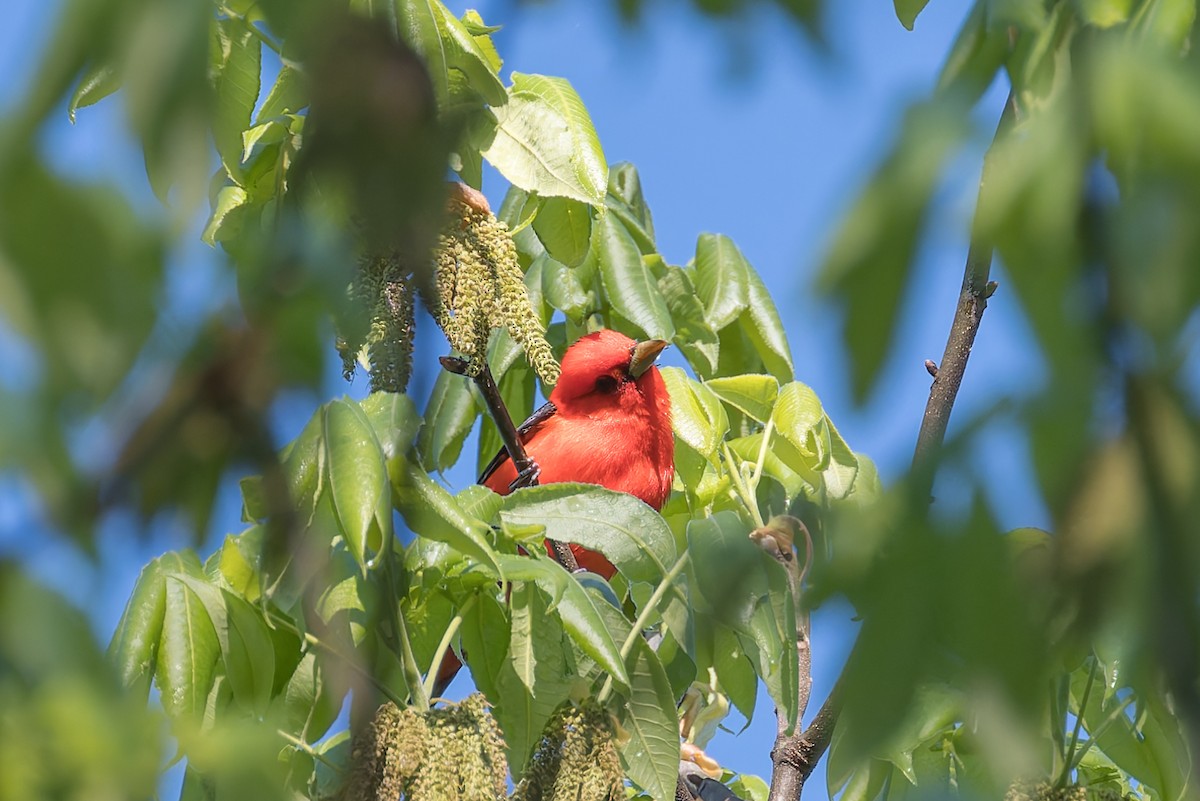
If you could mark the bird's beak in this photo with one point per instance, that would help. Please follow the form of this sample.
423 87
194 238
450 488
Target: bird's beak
643 355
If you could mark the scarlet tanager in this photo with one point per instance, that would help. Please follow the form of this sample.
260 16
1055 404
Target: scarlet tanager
607 422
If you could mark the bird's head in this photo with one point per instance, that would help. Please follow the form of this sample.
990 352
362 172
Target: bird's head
608 369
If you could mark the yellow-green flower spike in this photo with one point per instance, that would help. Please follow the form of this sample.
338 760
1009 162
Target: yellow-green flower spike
480 287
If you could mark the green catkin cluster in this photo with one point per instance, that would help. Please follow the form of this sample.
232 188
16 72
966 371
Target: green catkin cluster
1045 791
454 753
480 287
382 291
575 760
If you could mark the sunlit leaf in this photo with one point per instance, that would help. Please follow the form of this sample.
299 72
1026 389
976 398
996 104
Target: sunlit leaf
763 328
721 279
651 757
432 512
533 679
449 416
135 643
358 479
697 415
97 83
629 533
246 648
574 605
545 142
237 63
188 652
565 228
630 287
754 394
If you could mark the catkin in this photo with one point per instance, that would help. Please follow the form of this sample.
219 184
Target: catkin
1044 791
454 753
382 292
480 287
575 759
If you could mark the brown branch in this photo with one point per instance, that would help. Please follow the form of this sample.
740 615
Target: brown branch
795 756
972 301
527 468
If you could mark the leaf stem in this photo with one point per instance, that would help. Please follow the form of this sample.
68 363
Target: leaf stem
1070 755
312 752
253 29
444 645
643 619
762 453
739 483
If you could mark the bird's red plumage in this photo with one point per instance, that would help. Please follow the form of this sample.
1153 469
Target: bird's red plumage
620 439
607 427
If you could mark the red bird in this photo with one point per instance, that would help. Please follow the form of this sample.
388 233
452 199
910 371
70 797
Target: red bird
608 422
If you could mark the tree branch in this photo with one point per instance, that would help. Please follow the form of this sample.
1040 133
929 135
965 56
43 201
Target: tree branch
795 757
527 468
972 301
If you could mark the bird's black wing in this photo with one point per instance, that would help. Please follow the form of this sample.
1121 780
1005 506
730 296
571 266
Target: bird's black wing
541 415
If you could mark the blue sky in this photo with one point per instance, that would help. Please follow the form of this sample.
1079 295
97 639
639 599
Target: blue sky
741 128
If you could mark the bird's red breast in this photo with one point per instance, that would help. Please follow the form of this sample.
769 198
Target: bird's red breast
608 427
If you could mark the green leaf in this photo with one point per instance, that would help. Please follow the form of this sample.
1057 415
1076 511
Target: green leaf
463 53
651 757
562 288
799 419
693 336
1104 13
750 592
762 326
574 605
533 680
565 228
485 637
304 465
479 502
358 479
418 24
237 66
975 57
753 394
629 533
394 419
842 470
432 512
545 142
697 415
308 703
224 223
189 649
288 95
750 788
630 287
734 670
625 186
907 11
1025 14
246 646
134 646
449 416
97 83
721 279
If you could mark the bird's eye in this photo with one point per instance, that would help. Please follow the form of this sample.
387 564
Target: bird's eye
606 384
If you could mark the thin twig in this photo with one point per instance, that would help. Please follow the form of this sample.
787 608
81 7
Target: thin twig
527 469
